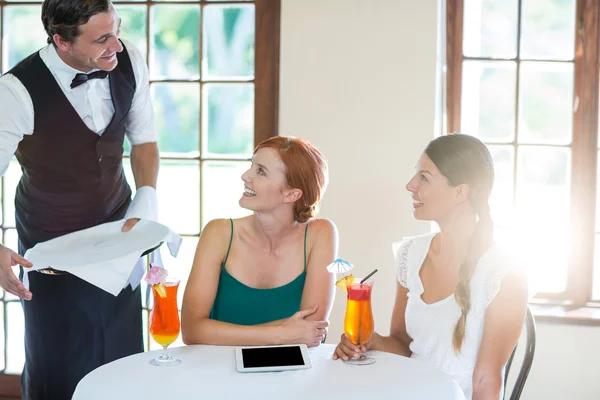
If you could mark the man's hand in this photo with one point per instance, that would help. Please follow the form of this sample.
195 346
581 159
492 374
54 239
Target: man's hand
130 223
8 280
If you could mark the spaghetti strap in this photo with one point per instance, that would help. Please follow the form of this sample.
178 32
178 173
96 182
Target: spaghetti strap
305 233
230 241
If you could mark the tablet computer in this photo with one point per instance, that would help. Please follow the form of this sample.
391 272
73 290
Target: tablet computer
272 358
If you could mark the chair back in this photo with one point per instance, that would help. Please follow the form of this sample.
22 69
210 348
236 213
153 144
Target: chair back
527 359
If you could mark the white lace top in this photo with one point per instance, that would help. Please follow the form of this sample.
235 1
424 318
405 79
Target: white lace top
431 326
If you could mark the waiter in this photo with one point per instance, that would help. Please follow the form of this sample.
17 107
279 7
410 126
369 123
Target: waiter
65 112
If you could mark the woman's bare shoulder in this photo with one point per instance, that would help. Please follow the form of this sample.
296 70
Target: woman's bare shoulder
322 226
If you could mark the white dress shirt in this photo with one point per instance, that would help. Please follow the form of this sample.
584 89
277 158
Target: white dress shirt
93 103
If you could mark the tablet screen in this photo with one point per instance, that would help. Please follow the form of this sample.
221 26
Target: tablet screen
272 357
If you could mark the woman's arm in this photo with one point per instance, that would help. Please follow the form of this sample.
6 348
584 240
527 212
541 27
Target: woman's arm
503 324
200 293
320 284
398 340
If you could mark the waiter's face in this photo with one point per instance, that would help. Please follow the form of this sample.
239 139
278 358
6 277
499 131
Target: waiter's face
98 44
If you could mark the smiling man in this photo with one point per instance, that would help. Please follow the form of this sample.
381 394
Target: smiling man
66 110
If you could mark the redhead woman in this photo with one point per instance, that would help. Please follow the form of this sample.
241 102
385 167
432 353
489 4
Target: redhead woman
262 279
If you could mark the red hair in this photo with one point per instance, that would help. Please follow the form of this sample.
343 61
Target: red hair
305 169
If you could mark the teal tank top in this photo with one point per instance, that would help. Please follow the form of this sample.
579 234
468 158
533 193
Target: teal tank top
239 304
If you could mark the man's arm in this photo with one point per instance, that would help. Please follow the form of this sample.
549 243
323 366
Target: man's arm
16 117
144 163
16 120
140 120
140 125
144 150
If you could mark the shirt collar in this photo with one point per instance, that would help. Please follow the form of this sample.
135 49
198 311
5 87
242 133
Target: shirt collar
63 73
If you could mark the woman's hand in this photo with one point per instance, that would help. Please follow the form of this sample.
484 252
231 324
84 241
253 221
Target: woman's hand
297 330
347 350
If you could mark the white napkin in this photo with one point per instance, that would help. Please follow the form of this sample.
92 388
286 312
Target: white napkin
102 255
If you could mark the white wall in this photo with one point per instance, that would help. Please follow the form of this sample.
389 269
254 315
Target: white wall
566 363
358 79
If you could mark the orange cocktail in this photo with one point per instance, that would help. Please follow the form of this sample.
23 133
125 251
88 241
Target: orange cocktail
164 319
358 322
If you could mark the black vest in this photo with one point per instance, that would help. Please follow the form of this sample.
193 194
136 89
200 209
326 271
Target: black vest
72 178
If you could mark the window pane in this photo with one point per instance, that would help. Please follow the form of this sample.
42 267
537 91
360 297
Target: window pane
176 112
488 100
598 195
133 26
129 175
548 29
543 209
144 286
596 287
515 241
546 103
180 267
175 41
16 333
228 41
543 182
127 145
179 196
11 179
146 330
3 200
11 241
18 42
501 201
222 188
228 119
504 236
2 336
490 28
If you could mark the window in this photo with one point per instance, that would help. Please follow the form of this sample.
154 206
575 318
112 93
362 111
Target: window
214 83
522 75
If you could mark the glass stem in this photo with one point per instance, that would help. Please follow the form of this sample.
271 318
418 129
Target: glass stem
164 355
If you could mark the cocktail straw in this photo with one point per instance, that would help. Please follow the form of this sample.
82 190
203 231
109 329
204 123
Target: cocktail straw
368 276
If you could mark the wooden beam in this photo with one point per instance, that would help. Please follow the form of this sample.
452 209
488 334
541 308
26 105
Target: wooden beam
584 153
10 386
266 69
454 60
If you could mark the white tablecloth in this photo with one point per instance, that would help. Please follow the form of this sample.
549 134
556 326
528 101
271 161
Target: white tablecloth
208 372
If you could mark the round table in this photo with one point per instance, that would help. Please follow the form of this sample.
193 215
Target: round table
209 372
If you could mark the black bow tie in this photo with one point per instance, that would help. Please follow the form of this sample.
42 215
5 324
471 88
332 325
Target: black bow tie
80 79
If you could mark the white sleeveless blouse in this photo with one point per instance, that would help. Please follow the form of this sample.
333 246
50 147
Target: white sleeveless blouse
431 326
